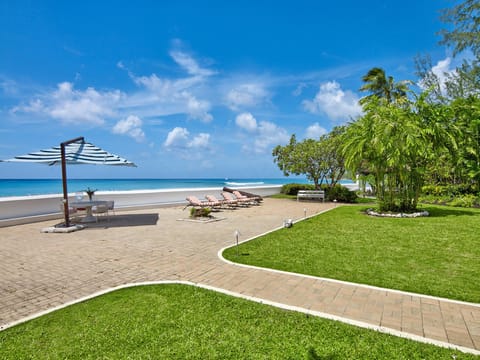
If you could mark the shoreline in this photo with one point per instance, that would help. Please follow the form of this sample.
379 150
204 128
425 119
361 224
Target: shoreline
32 187
15 210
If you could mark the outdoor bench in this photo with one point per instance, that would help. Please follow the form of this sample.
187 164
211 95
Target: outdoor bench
311 194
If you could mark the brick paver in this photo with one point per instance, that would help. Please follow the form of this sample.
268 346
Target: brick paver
39 271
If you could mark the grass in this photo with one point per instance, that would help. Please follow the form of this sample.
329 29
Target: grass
185 322
436 255
359 200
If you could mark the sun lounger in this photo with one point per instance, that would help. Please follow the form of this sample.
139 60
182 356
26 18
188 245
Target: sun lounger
194 201
240 202
243 194
231 203
253 199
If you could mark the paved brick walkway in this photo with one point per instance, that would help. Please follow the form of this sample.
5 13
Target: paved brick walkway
39 271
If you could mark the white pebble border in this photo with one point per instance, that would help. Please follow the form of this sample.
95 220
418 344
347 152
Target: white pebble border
372 212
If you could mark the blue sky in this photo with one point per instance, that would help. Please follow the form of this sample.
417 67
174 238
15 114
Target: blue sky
196 88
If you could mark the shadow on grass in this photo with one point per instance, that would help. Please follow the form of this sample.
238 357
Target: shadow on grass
446 211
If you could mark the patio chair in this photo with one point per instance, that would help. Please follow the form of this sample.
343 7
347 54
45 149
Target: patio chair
102 210
111 206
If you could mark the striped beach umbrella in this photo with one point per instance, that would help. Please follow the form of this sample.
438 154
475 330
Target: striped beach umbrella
75 151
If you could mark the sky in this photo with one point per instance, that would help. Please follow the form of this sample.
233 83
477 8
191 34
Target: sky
196 89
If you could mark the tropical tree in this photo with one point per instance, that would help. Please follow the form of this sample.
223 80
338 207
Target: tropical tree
396 144
300 158
466 119
380 86
334 160
319 159
466 27
464 35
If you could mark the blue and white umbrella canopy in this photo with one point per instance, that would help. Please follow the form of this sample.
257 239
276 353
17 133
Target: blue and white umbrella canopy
75 151
78 152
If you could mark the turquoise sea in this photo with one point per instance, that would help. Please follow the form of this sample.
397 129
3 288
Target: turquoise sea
24 187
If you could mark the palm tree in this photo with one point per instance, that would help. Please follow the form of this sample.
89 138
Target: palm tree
397 143
383 87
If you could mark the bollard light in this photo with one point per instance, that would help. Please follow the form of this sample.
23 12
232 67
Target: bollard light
287 223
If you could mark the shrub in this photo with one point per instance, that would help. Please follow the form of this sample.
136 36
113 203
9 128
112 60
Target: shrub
339 193
292 189
468 200
200 212
447 190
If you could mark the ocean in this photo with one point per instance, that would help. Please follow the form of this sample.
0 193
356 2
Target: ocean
25 187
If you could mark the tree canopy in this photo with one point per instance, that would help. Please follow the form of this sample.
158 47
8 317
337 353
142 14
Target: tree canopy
319 159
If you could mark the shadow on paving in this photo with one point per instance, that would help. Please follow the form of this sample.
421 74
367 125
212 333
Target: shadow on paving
123 221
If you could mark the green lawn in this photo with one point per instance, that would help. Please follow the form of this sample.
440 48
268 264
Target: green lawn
436 255
185 322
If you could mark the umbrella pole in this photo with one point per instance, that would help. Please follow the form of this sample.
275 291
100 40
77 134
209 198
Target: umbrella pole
64 179
65 191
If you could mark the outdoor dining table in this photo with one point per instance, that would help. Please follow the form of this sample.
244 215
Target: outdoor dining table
87 205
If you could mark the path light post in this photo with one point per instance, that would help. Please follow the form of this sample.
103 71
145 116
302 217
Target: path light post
236 234
305 213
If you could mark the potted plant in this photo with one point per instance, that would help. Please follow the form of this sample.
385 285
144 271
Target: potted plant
200 212
90 193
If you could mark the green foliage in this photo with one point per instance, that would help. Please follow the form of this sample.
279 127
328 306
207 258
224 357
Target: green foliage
380 86
340 194
200 212
464 34
466 201
395 142
292 189
436 255
337 192
186 322
447 190
451 195
319 159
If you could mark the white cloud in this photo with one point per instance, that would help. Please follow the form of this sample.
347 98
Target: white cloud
177 137
270 135
263 135
75 107
246 95
197 109
314 131
180 138
131 126
246 121
189 64
163 96
298 90
442 71
334 102
8 87
202 140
